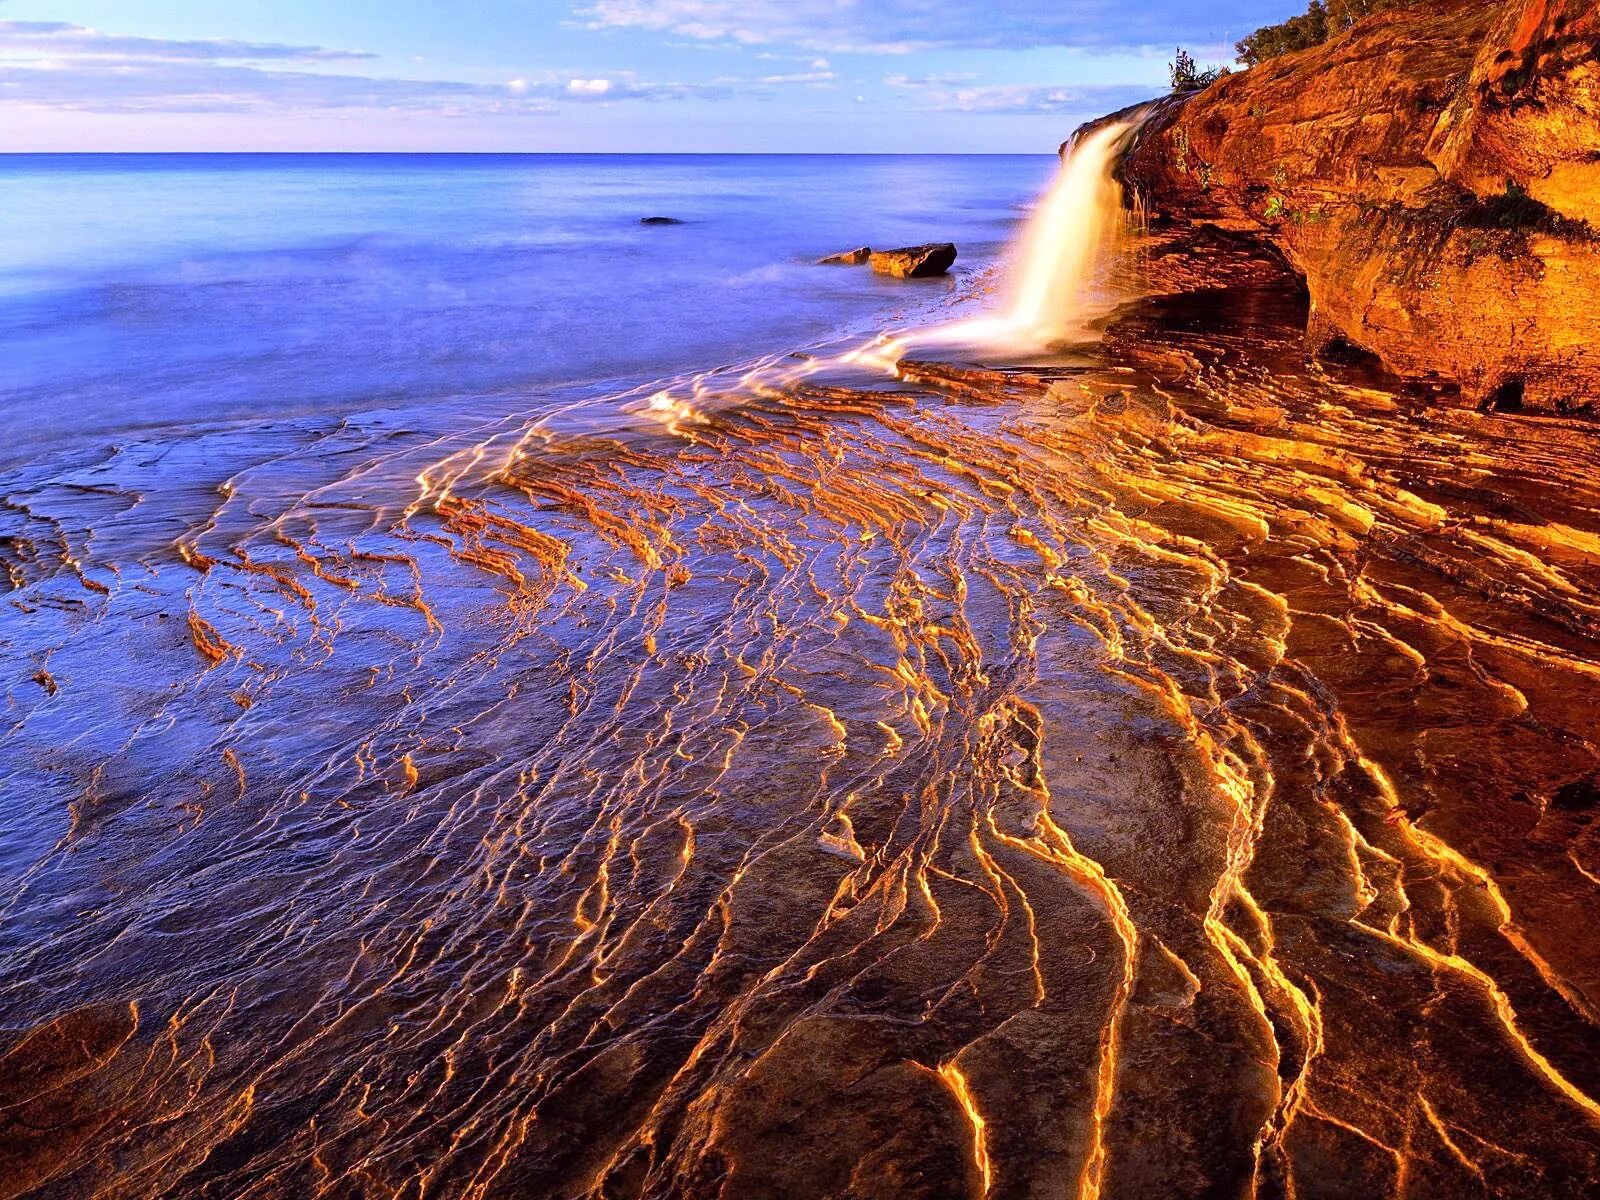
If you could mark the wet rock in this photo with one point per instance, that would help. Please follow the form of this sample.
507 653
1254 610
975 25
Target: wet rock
914 262
1430 175
659 221
850 258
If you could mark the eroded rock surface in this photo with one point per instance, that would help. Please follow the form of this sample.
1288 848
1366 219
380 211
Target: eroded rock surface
1171 772
1530 113
1432 175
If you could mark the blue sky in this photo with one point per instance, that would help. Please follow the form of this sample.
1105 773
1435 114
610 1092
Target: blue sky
588 75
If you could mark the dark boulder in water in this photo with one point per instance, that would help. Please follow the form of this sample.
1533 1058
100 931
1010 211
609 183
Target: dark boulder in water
659 221
914 262
850 258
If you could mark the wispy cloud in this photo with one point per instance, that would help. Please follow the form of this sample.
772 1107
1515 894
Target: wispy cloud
800 77
940 79
908 26
56 65
622 85
789 47
958 93
60 38
212 87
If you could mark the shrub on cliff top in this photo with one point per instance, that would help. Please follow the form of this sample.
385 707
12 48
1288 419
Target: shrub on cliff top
1187 75
1325 19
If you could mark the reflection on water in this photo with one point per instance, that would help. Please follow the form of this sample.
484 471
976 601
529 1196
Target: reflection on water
1168 773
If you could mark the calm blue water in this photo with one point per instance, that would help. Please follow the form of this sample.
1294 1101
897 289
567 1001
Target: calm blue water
147 292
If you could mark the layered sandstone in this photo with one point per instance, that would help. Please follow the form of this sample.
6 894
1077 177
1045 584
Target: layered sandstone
1530 113
1434 176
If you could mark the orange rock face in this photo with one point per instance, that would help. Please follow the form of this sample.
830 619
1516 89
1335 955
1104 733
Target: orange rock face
1435 177
1530 114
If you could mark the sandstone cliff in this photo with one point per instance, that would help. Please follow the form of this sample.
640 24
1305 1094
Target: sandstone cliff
1435 177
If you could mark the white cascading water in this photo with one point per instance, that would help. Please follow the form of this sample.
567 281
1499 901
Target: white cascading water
1067 243
1057 266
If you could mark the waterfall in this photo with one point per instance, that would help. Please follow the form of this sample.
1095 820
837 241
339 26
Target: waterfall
1057 267
1058 287
1066 246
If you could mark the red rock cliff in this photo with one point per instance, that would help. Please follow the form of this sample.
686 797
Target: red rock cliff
1435 177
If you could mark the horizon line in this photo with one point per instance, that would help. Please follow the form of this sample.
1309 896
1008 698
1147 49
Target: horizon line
534 153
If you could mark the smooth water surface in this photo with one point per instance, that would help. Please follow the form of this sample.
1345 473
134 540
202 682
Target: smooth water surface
141 291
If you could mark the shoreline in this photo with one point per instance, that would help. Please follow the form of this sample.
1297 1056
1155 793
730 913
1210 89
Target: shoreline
1167 767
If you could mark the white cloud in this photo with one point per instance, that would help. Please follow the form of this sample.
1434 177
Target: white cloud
132 86
56 65
59 65
943 79
624 85
218 87
803 77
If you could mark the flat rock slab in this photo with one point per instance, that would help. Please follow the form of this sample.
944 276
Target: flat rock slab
914 262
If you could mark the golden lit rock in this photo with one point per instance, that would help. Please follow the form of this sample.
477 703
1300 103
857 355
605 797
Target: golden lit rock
1433 192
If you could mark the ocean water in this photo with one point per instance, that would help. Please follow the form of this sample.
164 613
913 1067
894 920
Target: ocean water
141 294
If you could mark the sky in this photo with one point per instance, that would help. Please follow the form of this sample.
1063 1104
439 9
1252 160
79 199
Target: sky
696 76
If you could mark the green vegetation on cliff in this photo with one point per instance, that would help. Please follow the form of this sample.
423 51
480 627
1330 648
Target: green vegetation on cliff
1325 19
1187 75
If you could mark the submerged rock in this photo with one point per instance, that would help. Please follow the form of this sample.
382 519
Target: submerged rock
1431 175
914 262
850 258
659 221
